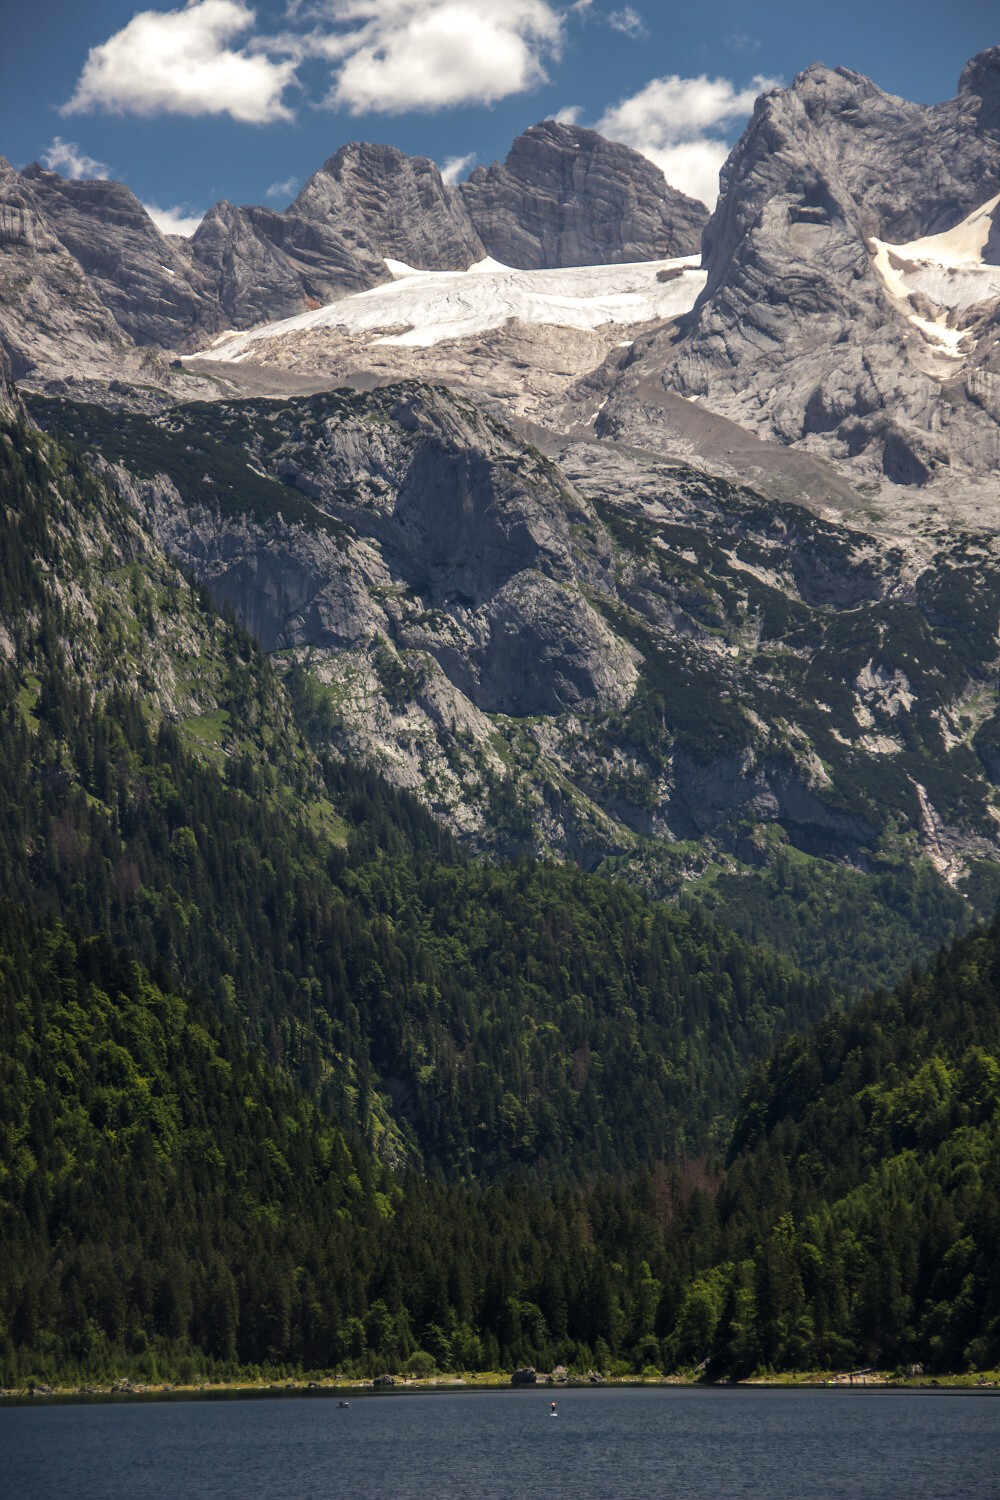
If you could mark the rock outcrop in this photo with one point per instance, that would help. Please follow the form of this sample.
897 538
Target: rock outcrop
391 205
424 498
50 311
365 204
92 274
582 656
565 196
261 265
801 332
144 278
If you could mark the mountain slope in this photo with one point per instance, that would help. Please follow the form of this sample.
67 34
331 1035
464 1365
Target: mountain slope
624 667
565 196
88 275
173 1207
797 334
156 787
49 310
862 1204
144 278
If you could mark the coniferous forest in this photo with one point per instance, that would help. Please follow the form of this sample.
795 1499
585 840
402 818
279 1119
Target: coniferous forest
289 1083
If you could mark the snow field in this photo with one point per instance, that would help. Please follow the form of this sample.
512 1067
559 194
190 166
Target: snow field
422 308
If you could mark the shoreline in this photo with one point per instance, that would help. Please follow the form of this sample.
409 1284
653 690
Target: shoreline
125 1391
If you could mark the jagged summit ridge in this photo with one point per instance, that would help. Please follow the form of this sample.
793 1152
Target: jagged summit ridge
979 88
397 204
565 196
50 311
797 335
147 280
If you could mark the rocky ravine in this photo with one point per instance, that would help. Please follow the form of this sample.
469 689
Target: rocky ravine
592 658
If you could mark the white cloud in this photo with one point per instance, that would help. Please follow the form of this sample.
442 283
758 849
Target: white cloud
399 55
176 220
627 20
284 189
178 62
681 125
67 158
569 114
385 56
693 167
455 166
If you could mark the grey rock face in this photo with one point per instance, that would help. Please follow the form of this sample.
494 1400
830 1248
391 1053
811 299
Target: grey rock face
50 313
565 196
365 203
391 205
575 656
796 335
143 278
11 409
428 501
261 265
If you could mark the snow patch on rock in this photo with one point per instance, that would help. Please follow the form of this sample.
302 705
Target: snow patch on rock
938 277
422 308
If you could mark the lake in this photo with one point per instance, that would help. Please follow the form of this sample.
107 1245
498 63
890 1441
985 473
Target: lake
683 1443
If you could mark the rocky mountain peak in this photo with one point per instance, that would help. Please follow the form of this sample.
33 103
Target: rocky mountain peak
262 264
824 85
113 201
979 86
807 330
50 310
145 280
565 196
397 206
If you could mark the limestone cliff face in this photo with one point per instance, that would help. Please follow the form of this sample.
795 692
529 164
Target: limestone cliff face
565 196
365 203
797 334
144 279
426 500
581 655
93 273
395 205
49 308
262 265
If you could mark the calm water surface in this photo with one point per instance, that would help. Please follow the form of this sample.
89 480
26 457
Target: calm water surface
604 1444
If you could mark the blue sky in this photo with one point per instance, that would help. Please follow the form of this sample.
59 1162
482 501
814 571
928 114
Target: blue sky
189 103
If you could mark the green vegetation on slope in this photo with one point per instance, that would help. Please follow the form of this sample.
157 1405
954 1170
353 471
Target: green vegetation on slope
859 930
172 1205
860 1216
469 1018
334 1097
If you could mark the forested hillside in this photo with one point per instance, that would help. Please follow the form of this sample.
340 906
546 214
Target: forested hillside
155 787
861 1208
174 1205
288 1081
